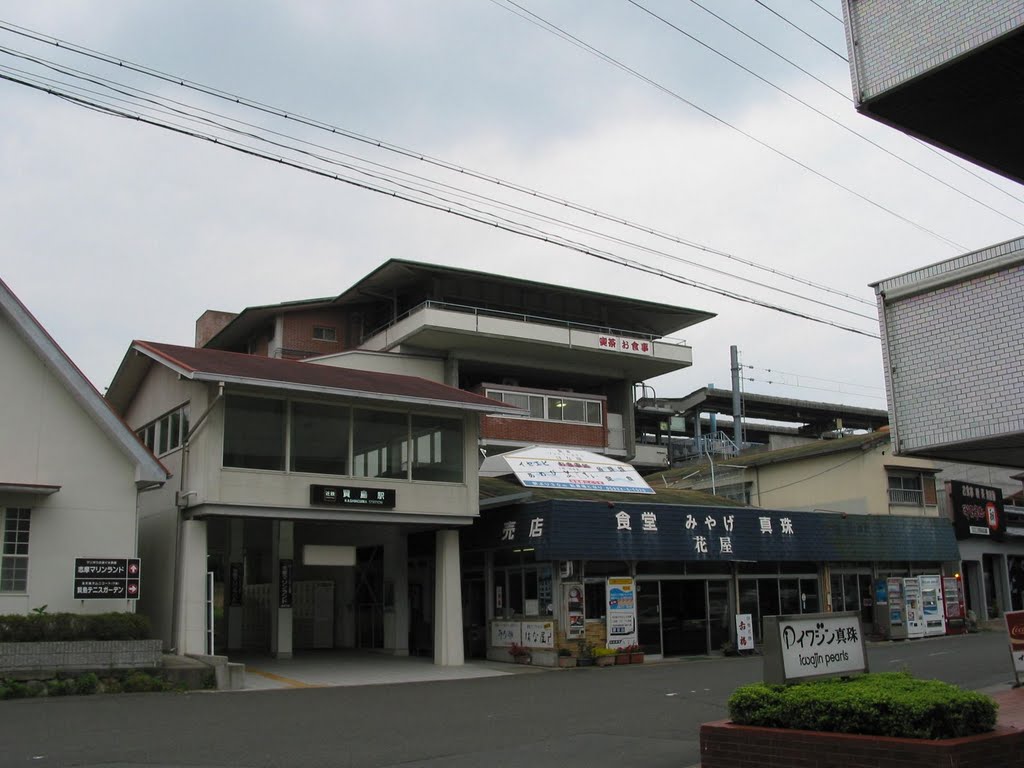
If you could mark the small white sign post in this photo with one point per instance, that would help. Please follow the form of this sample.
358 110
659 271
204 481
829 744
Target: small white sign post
744 632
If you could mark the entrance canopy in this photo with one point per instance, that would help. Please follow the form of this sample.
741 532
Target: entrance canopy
541 467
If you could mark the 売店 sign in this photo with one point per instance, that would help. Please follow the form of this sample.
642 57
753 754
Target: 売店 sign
810 645
107 578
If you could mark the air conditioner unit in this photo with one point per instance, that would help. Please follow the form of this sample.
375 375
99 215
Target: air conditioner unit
566 570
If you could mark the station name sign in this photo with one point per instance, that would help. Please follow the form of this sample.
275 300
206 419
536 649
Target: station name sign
340 496
811 645
108 578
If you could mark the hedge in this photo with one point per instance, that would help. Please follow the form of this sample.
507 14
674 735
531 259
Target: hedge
56 627
882 704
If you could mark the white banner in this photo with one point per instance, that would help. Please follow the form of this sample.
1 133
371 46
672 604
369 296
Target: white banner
621 614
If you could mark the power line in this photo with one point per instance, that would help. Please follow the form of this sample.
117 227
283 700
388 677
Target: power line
817 389
559 32
822 114
469 215
826 10
815 378
802 31
153 99
415 155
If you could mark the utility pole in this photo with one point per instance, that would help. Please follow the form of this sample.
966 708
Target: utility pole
737 421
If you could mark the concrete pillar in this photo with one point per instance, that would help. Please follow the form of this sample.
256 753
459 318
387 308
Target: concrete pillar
192 611
448 646
236 561
345 615
283 556
396 586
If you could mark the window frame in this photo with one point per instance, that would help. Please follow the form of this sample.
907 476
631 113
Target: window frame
327 333
549 402
22 519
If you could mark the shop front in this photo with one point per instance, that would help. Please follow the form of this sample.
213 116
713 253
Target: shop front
686 571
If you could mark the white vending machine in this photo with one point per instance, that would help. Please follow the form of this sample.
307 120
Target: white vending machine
931 605
912 607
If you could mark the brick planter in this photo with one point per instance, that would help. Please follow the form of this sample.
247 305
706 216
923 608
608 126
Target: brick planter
21 658
726 745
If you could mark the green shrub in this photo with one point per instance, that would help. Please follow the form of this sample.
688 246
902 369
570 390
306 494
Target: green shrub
87 684
141 682
62 627
883 704
60 687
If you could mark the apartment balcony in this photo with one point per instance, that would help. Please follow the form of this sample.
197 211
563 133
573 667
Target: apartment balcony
482 334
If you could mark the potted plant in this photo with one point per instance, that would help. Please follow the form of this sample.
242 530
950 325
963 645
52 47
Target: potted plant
520 654
605 657
622 655
636 654
565 658
585 656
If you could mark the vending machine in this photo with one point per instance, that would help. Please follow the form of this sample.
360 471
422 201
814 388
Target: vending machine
913 611
897 608
931 605
953 600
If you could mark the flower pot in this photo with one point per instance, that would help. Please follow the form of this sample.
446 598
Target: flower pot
622 658
566 661
584 662
605 661
521 659
636 658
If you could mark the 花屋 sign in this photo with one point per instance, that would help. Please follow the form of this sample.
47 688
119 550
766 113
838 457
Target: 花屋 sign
810 645
1015 630
108 578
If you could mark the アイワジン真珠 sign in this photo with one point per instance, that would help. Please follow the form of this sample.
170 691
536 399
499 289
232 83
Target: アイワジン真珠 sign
810 645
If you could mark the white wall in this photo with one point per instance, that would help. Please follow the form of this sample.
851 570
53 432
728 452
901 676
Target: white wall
48 438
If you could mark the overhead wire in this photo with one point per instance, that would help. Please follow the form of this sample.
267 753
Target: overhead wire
538 21
153 99
413 154
814 378
469 215
826 10
802 31
822 114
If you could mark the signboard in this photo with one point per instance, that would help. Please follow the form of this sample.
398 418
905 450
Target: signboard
574 610
505 633
744 632
107 578
284 587
1015 631
621 614
235 585
538 634
810 645
977 510
537 467
340 496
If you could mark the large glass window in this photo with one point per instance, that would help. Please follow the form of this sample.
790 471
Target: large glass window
319 439
560 408
14 562
437 449
254 433
380 444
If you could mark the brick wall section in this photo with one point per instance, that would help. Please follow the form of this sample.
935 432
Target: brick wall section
724 745
900 39
533 431
210 323
954 368
80 655
298 331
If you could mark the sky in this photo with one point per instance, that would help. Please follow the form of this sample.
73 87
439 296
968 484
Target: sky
113 230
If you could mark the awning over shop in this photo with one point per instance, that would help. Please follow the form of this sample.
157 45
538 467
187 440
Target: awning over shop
587 530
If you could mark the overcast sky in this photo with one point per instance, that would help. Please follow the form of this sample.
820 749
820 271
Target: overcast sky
111 230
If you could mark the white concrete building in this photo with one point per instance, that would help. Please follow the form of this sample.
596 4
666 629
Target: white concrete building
325 502
71 473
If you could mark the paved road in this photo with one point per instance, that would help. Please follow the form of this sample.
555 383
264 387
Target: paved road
620 716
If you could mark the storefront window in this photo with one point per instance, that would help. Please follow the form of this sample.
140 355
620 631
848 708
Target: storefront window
319 439
380 444
437 449
595 598
789 596
254 433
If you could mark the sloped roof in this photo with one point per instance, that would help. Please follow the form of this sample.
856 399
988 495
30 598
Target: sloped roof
254 370
148 470
807 450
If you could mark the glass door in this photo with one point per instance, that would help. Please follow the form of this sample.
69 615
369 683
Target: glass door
684 617
648 616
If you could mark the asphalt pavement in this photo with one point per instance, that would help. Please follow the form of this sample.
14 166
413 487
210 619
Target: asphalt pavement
645 715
